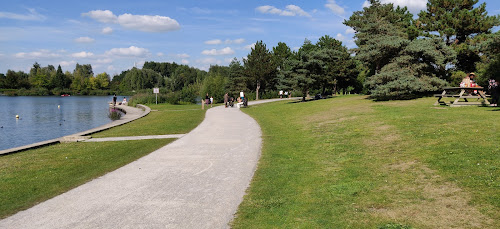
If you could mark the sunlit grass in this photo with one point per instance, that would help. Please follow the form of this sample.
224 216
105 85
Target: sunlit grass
163 119
350 162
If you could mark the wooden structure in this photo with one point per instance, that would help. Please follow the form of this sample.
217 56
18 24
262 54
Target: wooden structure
463 96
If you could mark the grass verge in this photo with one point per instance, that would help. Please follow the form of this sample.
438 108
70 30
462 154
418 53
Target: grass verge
163 119
349 162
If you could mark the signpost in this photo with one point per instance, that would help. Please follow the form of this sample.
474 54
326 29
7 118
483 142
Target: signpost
156 91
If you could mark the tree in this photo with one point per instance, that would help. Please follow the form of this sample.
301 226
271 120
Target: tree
339 69
102 81
259 66
457 22
381 32
417 70
59 81
237 79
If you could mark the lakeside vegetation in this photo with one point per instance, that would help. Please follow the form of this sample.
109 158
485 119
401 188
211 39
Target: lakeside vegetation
32 176
349 162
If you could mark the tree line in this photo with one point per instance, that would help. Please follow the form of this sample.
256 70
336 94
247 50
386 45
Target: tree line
398 56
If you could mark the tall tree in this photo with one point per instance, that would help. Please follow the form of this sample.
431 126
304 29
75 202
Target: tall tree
381 32
59 81
457 22
259 66
418 69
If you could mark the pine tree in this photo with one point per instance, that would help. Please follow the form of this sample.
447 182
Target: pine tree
259 66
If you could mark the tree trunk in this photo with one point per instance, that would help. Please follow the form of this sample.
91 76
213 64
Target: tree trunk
257 91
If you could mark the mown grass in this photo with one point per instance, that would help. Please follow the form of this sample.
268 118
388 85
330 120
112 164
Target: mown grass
349 162
163 119
32 176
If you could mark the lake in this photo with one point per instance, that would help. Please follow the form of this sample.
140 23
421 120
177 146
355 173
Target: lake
41 119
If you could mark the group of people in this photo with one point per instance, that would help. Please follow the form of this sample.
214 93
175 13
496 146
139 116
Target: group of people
281 94
124 101
228 101
209 100
493 87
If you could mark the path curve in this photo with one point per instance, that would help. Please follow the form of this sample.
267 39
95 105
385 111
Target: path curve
197 181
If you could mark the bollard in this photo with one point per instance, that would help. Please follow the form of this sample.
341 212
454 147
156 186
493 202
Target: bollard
203 104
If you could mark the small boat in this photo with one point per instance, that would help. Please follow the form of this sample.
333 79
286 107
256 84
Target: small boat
64 95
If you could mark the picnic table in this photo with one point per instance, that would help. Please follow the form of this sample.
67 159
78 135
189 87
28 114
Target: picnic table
468 95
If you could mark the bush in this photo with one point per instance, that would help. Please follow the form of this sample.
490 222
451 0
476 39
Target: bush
114 114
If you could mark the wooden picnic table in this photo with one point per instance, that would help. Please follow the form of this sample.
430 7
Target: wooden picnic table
470 96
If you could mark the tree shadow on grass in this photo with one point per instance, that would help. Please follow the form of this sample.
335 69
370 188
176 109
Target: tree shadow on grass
312 100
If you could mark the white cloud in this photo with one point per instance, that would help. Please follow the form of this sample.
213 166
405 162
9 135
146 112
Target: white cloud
290 10
31 16
84 40
130 51
82 54
250 46
110 68
350 31
148 23
215 52
183 55
104 16
145 23
104 61
67 63
366 4
107 30
334 7
213 42
160 54
414 6
236 41
184 61
42 53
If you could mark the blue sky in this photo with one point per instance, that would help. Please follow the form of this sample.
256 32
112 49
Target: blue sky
115 35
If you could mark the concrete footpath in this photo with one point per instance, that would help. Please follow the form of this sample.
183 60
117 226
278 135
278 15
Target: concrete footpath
198 181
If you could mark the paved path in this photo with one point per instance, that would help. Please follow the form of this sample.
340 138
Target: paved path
197 181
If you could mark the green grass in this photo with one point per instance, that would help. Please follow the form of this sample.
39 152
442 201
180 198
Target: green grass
29 177
32 176
349 162
163 119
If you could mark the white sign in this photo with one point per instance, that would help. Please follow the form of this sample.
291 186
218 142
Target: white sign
156 90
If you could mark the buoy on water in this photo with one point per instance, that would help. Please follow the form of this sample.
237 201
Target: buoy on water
58 106
17 116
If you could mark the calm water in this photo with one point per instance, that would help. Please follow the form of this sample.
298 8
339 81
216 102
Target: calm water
41 119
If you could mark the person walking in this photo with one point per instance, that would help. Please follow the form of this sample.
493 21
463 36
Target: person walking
211 101
114 100
226 99
207 99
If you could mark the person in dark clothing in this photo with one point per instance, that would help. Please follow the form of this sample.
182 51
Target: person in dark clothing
114 100
226 99
207 99
494 92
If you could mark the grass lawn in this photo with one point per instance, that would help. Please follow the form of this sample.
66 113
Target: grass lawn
163 119
349 162
33 176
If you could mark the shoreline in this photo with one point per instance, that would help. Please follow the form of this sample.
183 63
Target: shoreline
131 114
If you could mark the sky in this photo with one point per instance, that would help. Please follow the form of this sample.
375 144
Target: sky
117 35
